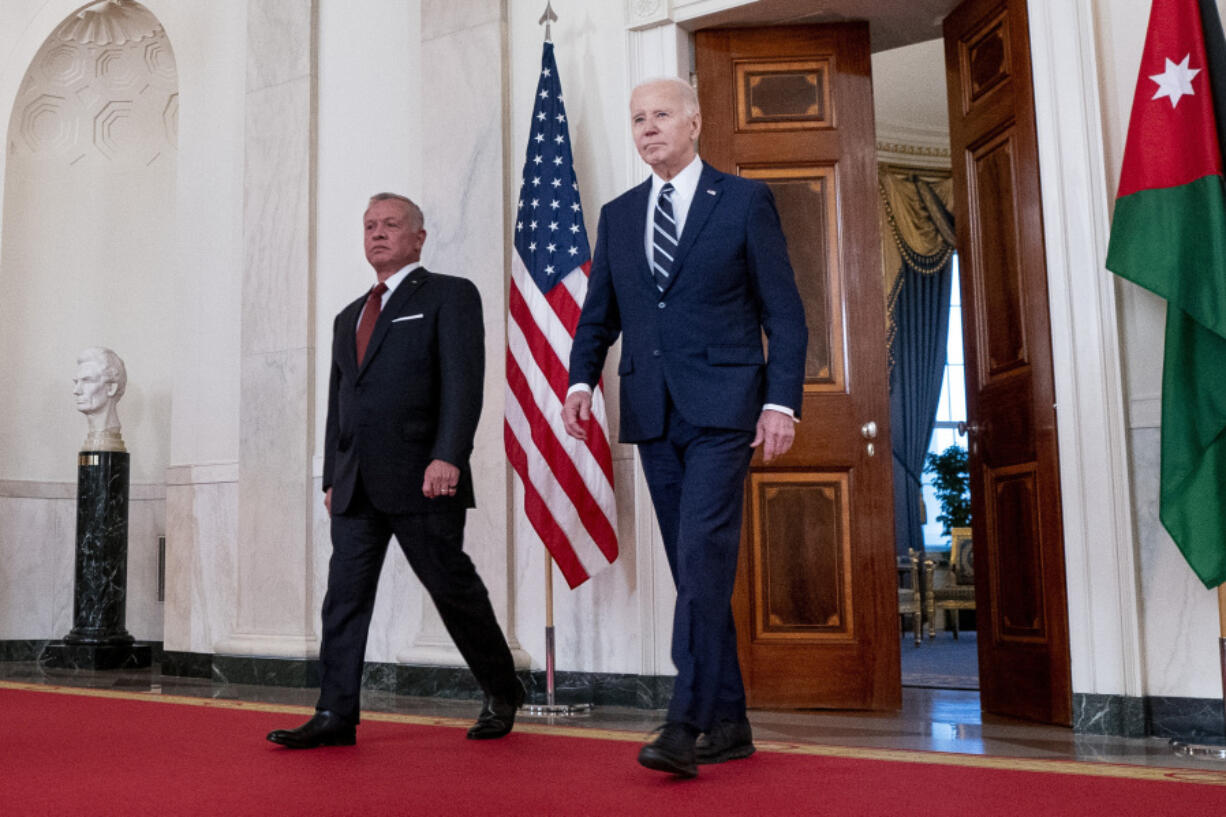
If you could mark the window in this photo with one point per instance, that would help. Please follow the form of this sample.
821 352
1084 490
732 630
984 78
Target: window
951 410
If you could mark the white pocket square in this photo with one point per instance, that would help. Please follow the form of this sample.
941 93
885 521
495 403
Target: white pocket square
409 317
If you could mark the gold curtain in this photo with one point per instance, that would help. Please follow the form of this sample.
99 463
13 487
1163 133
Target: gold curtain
916 227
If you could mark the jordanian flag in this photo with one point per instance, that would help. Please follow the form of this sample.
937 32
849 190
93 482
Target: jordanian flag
1169 236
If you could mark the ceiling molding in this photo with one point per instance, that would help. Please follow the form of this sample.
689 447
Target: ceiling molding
904 144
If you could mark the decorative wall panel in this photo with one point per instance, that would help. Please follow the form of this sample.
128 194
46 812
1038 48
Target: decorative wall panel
782 95
102 89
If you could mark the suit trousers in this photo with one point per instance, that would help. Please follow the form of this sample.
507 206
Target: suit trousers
433 544
696 477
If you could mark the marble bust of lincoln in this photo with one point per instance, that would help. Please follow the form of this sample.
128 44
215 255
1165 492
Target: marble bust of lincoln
99 383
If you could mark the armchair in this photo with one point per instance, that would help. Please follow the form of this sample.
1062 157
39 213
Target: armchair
957 590
909 601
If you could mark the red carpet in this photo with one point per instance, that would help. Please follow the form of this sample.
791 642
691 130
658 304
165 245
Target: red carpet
69 752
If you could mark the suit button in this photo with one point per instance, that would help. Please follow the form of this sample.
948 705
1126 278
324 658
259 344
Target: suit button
655 352
660 305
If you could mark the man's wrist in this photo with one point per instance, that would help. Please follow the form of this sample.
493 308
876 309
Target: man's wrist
781 410
579 387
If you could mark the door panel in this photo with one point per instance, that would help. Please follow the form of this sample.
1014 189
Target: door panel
800 572
995 233
816 604
805 198
1015 488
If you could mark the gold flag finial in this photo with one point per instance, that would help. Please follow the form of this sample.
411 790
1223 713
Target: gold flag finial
548 17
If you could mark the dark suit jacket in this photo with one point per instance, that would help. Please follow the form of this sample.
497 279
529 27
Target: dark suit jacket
416 397
700 341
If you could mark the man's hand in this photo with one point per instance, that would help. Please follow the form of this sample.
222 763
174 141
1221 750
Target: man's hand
328 501
441 479
576 412
776 430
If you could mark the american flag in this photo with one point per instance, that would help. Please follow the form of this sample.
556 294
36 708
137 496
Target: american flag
568 483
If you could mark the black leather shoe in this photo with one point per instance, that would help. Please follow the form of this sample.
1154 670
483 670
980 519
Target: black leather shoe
325 729
497 715
672 751
726 740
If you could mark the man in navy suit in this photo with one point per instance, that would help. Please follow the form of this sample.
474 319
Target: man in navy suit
408 365
690 268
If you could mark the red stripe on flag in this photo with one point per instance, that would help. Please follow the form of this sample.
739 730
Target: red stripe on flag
542 352
540 517
563 467
564 304
555 372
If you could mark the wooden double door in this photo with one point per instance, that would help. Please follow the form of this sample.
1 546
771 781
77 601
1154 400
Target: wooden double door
816 599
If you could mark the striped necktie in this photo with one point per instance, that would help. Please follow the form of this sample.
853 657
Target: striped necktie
663 237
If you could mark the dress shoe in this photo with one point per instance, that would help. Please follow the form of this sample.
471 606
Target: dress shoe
497 715
325 729
725 740
672 751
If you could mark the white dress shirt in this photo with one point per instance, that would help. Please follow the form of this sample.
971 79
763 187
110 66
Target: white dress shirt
392 282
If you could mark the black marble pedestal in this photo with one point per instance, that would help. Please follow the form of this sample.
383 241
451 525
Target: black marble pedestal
98 639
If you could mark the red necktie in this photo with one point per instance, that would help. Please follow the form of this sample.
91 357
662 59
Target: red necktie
366 327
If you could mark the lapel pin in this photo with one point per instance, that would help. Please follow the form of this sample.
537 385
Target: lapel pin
710 192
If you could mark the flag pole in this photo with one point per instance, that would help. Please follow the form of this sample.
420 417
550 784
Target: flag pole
1213 751
550 687
551 706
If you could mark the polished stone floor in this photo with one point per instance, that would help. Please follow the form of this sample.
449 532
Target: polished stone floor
931 720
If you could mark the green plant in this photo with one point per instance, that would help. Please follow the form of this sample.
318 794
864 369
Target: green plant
951 480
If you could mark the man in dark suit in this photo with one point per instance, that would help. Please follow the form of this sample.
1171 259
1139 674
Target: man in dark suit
690 268
408 362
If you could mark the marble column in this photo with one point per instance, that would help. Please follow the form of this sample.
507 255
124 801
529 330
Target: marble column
656 47
463 147
277 607
99 639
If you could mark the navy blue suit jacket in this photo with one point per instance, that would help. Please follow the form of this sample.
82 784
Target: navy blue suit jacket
699 342
415 398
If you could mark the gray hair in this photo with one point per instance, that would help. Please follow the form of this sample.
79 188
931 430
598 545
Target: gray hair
689 97
113 370
409 205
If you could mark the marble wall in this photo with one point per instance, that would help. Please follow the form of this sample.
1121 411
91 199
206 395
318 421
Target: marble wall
38 541
363 149
1178 616
202 477
201 556
89 229
464 205
87 237
275 606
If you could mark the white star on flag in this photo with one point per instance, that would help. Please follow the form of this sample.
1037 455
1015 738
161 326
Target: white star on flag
1176 81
